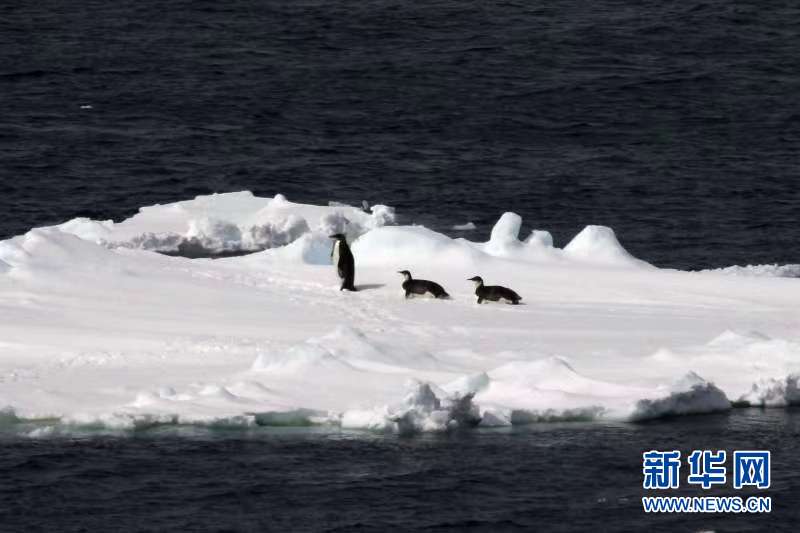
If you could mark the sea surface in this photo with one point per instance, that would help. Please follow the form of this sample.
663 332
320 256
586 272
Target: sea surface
545 477
675 123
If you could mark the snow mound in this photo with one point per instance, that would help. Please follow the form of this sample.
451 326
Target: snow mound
599 244
11 251
345 349
306 357
88 229
409 246
549 389
689 395
360 351
49 250
311 248
505 234
539 239
227 223
553 374
731 339
396 246
504 241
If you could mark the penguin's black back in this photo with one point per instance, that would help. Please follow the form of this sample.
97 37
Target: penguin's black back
422 286
494 293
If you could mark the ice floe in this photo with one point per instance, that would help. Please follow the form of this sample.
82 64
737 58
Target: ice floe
98 331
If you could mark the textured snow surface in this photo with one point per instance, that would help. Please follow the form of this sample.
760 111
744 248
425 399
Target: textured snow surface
98 330
232 222
784 271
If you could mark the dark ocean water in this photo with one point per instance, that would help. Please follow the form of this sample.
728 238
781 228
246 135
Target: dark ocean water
675 123
547 477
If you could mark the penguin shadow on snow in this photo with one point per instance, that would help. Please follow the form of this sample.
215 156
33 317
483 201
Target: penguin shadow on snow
369 286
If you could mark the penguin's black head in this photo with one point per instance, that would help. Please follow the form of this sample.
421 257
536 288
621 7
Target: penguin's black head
477 279
405 273
337 236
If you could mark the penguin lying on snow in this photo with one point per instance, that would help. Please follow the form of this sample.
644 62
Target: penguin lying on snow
421 286
494 293
343 259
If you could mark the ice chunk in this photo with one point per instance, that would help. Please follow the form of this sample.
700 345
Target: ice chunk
599 244
771 392
274 233
420 410
539 239
464 227
227 223
88 229
691 394
504 239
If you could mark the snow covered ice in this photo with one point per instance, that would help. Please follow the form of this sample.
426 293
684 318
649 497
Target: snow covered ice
99 330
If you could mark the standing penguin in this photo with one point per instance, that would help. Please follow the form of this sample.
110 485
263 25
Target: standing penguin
421 286
343 259
494 293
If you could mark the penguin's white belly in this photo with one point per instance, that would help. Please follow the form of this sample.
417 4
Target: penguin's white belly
336 253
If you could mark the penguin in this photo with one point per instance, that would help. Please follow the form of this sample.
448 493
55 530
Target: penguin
421 286
342 257
494 293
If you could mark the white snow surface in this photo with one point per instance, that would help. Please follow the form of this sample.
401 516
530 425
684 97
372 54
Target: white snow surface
98 330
